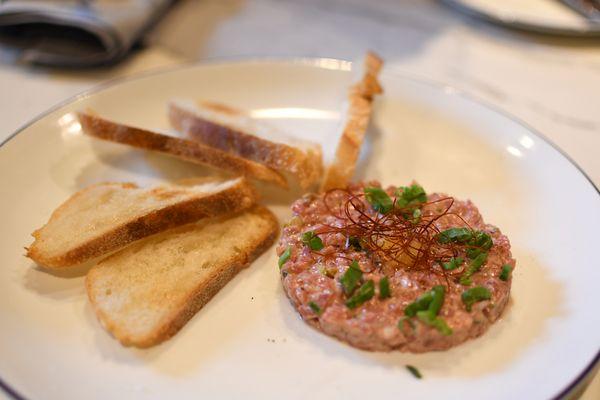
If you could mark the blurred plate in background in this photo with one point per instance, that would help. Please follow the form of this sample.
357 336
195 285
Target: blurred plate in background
542 16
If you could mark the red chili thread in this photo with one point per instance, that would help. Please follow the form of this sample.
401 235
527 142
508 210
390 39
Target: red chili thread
402 241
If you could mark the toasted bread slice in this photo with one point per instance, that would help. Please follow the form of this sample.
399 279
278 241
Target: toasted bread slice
105 217
360 98
146 292
189 150
233 131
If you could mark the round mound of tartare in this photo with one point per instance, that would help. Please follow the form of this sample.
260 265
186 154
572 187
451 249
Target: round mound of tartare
394 268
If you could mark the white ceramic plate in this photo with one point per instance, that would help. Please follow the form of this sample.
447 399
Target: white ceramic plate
248 342
543 16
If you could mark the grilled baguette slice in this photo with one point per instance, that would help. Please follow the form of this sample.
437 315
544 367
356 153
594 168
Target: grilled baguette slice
146 292
360 99
231 130
107 216
189 150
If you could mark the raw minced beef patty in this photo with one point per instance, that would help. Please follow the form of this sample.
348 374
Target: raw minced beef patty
448 273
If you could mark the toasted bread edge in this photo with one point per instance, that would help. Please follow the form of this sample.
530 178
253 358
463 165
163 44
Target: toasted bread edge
233 199
196 300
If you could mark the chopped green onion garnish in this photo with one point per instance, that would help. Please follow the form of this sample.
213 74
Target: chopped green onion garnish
410 195
479 243
438 299
429 316
427 307
285 256
425 315
421 303
351 277
408 200
311 240
455 235
431 300
384 288
315 307
454 263
473 295
379 199
415 372
442 327
473 267
438 323
505 273
362 295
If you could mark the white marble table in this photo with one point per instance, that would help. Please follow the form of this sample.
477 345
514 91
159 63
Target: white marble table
553 84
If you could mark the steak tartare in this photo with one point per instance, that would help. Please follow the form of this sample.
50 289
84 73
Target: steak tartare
395 268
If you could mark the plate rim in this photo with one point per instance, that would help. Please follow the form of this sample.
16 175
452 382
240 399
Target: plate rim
554 30
581 379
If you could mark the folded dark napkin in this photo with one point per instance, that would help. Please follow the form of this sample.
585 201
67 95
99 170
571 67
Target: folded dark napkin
72 33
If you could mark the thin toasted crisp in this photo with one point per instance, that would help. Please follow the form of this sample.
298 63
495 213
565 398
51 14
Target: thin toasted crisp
231 130
189 150
105 217
146 292
360 98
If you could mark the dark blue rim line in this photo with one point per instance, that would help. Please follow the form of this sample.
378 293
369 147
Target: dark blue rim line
581 377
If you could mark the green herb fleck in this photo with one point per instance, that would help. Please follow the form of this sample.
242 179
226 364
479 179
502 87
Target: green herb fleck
473 295
454 263
429 318
351 278
315 307
431 300
442 327
311 240
421 303
505 273
379 199
479 243
362 295
410 196
285 256
414 371
438 299
425 315
408 201
455 235
384 288
427 307
473 267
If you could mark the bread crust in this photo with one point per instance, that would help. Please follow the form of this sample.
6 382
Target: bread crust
197 298
185 149
233 199
306 166
360 97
